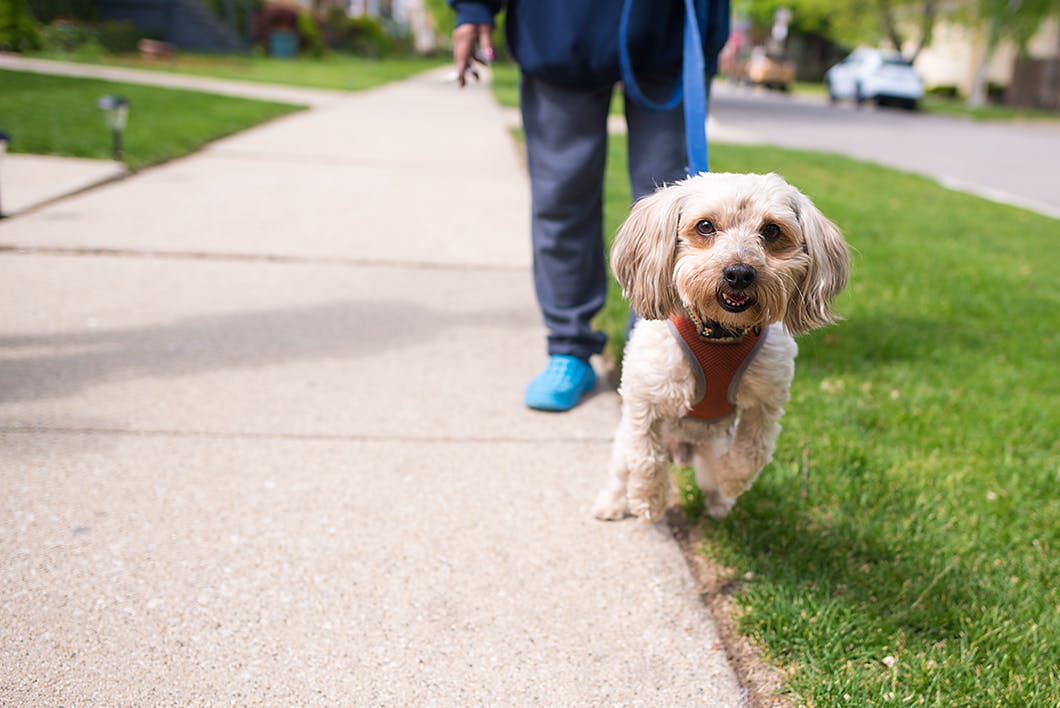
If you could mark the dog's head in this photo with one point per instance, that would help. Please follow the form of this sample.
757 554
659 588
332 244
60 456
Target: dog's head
738 249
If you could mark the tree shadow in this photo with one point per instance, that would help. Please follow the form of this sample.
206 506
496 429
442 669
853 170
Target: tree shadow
58 365
868 343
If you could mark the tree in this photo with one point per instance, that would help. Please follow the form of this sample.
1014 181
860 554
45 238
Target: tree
18 31
890 11
852 22
1013 20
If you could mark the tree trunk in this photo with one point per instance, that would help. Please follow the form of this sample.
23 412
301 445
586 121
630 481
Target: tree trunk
890 27
977 95
927 28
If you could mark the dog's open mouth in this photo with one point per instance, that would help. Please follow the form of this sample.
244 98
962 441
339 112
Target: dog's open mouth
735 302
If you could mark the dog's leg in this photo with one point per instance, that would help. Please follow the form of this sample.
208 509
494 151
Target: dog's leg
648 485
611 502
639 474
707 462
752 449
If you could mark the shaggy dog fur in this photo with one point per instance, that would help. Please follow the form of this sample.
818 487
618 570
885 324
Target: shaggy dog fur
693 247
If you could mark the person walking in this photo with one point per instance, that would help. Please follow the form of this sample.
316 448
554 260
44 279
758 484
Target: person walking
568 52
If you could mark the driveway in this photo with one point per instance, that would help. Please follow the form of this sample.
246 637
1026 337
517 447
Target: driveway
1014 162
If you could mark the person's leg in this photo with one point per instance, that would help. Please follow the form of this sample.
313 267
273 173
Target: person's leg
566 144
655 145
656 141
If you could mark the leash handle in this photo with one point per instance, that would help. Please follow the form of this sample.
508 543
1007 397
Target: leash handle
692 89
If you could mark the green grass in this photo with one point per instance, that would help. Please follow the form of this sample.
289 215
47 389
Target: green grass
57 115
505 84
911 509
335 71
959 107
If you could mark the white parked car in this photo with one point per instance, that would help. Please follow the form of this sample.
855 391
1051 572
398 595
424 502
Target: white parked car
875 75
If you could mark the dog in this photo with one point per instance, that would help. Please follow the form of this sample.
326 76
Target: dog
726 267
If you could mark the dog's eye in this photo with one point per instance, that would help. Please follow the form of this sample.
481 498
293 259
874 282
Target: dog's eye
705 227
770 232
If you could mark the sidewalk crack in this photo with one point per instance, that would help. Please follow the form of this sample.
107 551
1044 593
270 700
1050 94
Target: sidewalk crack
278 258
298 437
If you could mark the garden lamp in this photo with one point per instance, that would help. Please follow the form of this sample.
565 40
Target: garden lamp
5 138
116 111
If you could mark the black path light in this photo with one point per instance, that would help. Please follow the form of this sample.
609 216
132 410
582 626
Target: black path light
5 138
116 111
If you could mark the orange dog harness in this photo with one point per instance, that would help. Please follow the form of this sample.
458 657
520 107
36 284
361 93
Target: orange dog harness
718 364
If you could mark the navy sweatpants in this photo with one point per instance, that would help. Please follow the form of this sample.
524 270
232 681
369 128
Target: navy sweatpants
566 144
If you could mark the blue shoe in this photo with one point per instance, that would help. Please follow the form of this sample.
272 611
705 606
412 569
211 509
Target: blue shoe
561 385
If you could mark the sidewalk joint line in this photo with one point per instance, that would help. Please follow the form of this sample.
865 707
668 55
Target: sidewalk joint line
221 152
291 437
23 250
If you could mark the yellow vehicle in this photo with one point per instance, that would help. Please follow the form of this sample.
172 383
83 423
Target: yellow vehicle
772 71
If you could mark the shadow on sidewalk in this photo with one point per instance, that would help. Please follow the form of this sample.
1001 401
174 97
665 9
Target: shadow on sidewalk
59 365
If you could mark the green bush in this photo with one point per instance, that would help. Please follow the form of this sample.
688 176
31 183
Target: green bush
119 37
47 11
18 29
400 38
365 36
444 17
312 38
943 91
71 38
86 40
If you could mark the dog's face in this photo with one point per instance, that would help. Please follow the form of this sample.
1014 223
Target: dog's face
738 249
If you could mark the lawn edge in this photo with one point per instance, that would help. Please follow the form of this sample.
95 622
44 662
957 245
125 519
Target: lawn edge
763 682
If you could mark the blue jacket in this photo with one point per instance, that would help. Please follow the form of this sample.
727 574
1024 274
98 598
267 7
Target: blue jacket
575 42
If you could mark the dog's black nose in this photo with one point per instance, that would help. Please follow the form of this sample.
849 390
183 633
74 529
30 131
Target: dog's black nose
739 275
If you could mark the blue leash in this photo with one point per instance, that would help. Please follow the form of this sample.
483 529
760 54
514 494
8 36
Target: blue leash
692 88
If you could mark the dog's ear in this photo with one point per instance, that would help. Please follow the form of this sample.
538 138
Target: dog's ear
826 276
643 253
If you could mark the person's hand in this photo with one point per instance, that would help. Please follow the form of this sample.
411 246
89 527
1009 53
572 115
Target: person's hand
464 52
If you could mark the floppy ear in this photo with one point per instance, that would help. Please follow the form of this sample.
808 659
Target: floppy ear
826 276
643 253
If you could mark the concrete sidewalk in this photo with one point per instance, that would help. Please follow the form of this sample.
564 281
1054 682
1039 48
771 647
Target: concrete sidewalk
30 181
262 439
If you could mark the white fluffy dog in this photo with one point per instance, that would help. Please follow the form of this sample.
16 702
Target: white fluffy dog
726 268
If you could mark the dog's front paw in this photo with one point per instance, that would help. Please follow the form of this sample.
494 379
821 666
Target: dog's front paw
649 507
719 505
610 506
737 475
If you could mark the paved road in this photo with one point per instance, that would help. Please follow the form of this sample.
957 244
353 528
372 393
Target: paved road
1016 163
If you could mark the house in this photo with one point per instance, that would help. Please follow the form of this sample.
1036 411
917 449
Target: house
956 51
187 24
